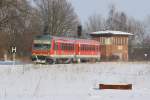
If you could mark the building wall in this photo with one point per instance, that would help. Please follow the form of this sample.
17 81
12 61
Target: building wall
113 46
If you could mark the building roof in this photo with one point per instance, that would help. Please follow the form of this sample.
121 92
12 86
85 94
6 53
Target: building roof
110 32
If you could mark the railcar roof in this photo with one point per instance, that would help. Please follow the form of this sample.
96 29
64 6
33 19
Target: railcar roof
76 40
66 39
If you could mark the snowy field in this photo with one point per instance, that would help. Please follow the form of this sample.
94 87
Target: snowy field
74 82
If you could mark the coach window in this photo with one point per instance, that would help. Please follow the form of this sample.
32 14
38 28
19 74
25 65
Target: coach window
70 47
96 48
63 46
67 46
93 48
87 48
83 47
90 47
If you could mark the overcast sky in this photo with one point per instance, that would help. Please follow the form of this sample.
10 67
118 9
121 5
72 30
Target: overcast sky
138 9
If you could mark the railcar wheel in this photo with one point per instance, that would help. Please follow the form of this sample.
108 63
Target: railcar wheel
50 61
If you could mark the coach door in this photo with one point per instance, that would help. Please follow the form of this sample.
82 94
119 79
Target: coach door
77 49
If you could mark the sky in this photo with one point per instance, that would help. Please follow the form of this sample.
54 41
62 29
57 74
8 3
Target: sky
138 9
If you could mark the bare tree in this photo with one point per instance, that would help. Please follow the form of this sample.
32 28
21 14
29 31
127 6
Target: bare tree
14 14
147 25
116 20
110 20
137 28
95 23
57 16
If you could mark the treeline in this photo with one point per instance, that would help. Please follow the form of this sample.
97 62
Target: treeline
20 20
139 44
119 21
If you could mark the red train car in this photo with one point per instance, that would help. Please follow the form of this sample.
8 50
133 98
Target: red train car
51 49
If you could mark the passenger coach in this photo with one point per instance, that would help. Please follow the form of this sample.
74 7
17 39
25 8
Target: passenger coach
51 49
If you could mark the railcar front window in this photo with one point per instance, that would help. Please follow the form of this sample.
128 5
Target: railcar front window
37 46
46 46
42 46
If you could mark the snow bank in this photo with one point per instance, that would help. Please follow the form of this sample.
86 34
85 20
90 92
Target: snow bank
74 82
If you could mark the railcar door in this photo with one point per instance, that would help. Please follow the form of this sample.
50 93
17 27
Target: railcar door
76 49
52 48
59 48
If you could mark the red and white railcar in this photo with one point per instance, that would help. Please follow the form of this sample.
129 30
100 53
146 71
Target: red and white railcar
52 49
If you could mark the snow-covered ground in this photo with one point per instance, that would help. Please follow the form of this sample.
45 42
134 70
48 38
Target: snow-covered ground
74 82
9 62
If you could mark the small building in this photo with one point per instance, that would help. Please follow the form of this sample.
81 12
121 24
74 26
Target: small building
114 44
